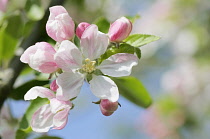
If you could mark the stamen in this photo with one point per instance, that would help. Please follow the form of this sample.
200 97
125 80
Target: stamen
89 66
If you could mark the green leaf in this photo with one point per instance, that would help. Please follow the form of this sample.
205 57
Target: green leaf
132 89
24 126
12 29
7 43
138 40
133 18
19 92
138 52
123 48
103 24
48 137
34 10
76 41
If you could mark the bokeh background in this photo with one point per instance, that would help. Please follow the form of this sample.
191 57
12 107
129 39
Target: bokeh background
175 70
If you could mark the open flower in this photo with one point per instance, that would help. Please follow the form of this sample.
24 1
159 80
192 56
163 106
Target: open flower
77 64
40 57
53 115
60 25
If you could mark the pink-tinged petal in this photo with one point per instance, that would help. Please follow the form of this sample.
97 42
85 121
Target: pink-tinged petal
81 28
57 105
55 11
60 25
118 65
54 86
69 85
68 56
40 57
60 119
25 57
107 107
3 5
93 42
104 88
120 29
37 91
43 61
42 120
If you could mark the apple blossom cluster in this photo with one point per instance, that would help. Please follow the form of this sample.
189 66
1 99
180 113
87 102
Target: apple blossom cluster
73 65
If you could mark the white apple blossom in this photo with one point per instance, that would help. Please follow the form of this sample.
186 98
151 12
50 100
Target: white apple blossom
53 115
77 63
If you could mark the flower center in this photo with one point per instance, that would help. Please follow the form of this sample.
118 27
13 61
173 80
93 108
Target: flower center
89 66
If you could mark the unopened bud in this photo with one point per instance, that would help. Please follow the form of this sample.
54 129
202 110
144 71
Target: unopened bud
107 107
120 29
54 86
81 28
60 25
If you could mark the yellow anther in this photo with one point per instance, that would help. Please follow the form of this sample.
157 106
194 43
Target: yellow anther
89 66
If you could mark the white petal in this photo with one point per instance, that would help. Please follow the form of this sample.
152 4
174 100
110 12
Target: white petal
60 119
69 85
68 56
93 42
37 91
57 105
118 65
42 120
104 88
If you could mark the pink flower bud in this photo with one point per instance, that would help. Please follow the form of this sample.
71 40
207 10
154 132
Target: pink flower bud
54 86
107 107
3 5
120 29
81 28
60 25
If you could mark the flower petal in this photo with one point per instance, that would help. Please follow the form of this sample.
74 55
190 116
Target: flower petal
60 119
60 25
55 11
68 56
57 105
104 88
69 85
25 57
93 42
118 65
37 91
42 120
40 57
61 28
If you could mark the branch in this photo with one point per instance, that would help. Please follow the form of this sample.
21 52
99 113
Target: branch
15 65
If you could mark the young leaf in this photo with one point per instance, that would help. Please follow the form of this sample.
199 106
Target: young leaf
103 24
132 89
24 126
138 52
123 48
7 43
76 41
137 40
19 92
